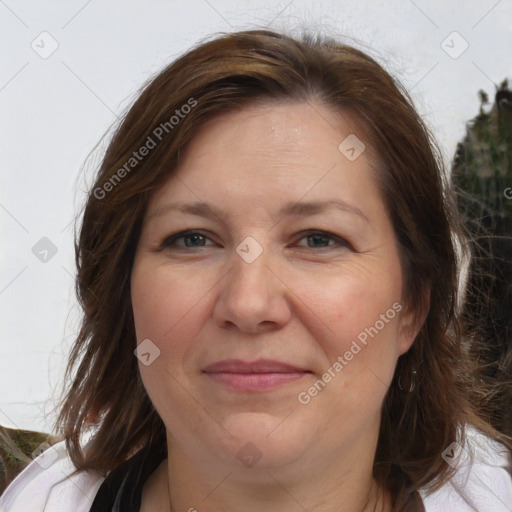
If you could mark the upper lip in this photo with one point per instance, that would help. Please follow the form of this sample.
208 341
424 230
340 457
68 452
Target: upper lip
259 366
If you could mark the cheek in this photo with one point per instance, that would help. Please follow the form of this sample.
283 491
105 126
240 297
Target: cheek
354 320
359 354
165 305
350 305
355 325
166 311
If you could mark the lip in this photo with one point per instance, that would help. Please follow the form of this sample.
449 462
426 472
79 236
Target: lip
259 366
257 376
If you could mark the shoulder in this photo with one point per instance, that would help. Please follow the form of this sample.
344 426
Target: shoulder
46 485
482 481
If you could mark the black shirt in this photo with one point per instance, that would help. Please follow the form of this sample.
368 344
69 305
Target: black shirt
121 491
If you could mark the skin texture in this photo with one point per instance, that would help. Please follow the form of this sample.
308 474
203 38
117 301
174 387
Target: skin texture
303 301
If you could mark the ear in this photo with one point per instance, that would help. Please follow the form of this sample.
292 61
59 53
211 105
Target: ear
411 321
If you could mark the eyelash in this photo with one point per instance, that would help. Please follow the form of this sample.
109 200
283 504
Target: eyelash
170 241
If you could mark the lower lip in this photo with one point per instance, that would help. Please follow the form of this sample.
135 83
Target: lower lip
256 381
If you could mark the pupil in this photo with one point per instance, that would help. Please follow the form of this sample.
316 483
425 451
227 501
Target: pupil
194 238
318 238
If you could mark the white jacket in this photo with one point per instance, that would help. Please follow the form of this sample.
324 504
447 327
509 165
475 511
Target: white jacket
45 486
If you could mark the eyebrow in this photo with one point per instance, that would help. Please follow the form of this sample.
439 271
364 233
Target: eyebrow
299 209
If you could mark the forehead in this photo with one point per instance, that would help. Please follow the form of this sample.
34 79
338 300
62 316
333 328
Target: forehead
266 152
275 130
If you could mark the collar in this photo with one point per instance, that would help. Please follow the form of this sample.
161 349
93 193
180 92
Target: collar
121 491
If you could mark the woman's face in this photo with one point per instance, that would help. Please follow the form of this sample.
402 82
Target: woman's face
270 332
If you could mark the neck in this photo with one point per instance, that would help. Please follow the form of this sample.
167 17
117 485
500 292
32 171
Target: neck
188 485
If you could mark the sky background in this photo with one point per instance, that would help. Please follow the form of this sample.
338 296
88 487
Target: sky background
70 69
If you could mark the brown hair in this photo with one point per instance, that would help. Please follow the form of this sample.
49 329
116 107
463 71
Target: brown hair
218 76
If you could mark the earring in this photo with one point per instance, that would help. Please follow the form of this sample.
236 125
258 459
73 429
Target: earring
412 383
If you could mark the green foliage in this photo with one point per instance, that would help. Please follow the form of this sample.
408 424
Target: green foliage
482 175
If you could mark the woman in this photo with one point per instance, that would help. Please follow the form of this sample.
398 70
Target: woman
268 278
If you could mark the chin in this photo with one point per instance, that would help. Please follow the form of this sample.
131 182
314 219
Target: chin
265 441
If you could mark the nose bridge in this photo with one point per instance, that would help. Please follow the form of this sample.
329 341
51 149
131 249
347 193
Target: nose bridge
250 275
251 295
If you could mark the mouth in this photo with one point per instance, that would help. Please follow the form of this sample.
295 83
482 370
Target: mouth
257 376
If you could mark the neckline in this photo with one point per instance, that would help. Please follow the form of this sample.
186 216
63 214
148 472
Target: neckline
121 491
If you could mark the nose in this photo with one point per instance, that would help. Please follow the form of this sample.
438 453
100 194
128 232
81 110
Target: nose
252 297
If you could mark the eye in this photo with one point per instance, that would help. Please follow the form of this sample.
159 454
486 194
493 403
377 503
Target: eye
190 238
321 240
195 239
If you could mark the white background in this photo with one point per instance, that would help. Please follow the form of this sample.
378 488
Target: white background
54 110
